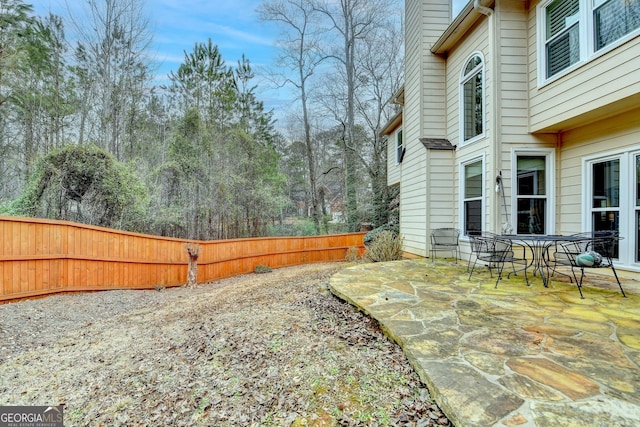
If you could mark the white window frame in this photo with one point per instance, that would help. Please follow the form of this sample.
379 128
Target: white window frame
462 186
399 138
550 178
626 210
587 40
464 78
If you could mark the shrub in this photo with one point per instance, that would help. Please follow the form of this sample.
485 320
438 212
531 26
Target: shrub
371 235
351 254
386 246
84 184
261 268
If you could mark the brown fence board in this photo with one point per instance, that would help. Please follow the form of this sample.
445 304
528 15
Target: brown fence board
39 257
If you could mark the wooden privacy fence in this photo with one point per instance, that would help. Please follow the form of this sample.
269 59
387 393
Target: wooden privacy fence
39 257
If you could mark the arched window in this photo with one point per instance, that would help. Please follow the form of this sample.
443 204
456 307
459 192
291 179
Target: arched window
472 98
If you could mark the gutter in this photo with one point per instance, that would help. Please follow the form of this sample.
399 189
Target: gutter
467 17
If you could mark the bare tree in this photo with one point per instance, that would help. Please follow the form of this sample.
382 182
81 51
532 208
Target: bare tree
353 21
300 55
380 65
112 69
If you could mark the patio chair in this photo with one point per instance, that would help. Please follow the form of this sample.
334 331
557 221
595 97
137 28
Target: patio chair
445 239
480 248
596 251
581 243
560 257
495 252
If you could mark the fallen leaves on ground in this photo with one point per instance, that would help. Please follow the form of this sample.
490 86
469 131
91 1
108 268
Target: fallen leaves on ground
269 349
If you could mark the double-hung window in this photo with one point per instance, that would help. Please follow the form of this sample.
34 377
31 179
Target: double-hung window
532 193
574 31
473 197
562 45
472 98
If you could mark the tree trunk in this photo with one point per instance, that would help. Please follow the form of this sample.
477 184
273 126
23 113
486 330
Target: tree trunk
193 251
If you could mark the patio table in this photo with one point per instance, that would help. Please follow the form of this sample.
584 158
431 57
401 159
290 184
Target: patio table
539 245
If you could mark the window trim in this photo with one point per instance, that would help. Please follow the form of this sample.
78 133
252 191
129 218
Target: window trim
461 200
464 78
550 177
587 41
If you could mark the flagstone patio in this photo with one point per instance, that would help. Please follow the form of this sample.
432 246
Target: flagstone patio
513 356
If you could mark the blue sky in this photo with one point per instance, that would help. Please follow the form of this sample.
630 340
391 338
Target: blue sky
177 25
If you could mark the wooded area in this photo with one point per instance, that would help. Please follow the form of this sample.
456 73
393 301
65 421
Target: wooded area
86 135
39 257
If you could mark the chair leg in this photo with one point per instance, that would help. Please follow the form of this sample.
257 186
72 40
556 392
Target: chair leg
473 267
618 280
526 278
579 283
500 268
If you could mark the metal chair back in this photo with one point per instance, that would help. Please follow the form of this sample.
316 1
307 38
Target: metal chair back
598 249
445 239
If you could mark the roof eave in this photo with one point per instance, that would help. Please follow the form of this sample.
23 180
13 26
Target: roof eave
392 124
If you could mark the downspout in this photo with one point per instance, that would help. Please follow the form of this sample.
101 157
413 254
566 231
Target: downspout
482 9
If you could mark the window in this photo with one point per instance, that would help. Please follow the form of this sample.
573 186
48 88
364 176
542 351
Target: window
562 35
473 196
605 192
472 99
399 147
575 30
531 194
612 201
614 19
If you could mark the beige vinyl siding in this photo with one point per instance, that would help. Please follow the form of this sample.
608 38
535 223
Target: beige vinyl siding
569 190
605 85
413 199
423 112
412 190
512 80
610 136
442 175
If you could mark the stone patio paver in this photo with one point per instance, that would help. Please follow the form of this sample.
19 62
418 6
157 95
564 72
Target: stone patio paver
513 356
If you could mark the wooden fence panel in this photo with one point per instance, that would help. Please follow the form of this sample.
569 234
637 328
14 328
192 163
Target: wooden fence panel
39 257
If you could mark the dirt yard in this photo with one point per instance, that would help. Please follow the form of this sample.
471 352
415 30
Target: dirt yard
260 349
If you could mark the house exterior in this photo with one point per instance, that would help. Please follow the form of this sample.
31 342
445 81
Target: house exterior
519 117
